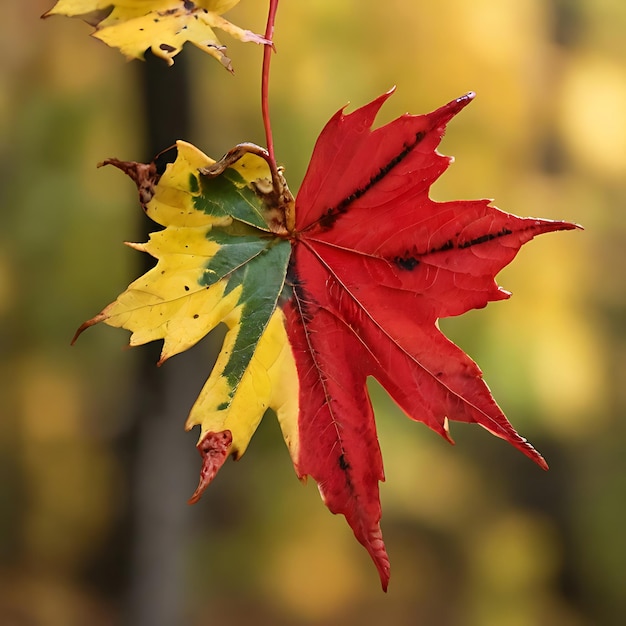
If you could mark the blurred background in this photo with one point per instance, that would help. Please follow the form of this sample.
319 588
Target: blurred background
95 467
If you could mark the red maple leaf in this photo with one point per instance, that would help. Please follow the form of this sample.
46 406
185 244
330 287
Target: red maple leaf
375 263
347 284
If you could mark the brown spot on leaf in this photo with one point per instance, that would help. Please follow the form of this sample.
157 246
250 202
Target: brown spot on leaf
406 263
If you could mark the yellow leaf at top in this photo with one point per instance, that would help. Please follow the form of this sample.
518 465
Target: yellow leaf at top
163 26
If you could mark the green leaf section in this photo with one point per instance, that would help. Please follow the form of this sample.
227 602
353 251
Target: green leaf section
233 253
229 194
248 258
258 266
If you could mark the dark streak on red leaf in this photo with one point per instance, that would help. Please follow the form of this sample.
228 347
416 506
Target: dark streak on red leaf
327 220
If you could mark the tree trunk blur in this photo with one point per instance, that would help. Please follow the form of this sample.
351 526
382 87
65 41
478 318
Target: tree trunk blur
164 464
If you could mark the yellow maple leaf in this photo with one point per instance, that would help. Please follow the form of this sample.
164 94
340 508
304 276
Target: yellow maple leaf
164 26
217 262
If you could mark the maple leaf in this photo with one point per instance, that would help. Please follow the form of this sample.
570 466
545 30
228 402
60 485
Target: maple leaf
164 26
346 283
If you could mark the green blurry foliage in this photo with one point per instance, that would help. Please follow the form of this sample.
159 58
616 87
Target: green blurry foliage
477 535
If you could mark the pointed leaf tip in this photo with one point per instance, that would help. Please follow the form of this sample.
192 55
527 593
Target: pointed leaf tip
525 447
144 175
456 105
465 99
85 325
376 548
214 449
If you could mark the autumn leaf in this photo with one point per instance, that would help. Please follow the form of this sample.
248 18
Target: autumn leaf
218 262
164 26
346 283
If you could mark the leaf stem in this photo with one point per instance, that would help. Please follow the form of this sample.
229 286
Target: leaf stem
265 79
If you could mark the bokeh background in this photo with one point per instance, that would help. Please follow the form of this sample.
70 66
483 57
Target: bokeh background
95 467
